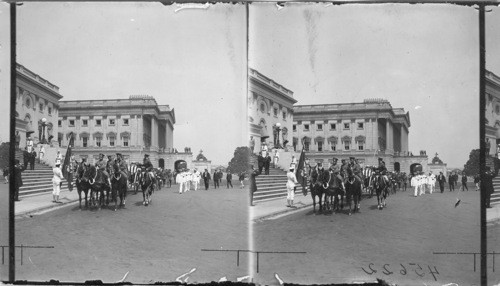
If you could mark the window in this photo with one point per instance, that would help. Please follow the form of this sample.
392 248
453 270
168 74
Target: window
85 141
71 123
111 122
125 121
28 102
98 141
85 122
275 112
497 109
59 123
360 125
112 141
49 110
284 115
347 146
319 127
125 141
41 107
333 126
294 128
346 126
320 146
262 107
306 146
360 146
98 122
333 147
306 127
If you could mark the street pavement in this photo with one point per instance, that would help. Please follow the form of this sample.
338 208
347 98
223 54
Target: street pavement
159 242
395 242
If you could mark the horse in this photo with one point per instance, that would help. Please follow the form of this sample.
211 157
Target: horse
381 188
119 185
316 191
334 194
148 185
81 184
97 185
353 191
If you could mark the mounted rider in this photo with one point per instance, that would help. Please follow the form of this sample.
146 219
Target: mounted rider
109 165
323 176
122 165
382 169
356 169
146 163
102 166
336 170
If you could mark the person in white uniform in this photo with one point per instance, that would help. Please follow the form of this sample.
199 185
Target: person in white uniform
179 179
432 182
56 183
196 179
414 184
290 185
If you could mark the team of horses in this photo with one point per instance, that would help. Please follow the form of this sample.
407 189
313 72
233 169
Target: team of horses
92 184
330 195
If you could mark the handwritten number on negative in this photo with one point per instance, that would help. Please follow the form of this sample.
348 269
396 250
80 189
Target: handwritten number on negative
387 271
422 274
433 272
402 271
371 269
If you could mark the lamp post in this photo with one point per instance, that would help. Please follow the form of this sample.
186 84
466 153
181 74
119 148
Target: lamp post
44 125
278 129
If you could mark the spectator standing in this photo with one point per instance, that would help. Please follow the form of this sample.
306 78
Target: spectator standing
41 153
26 157
18 183
488 184
261 161
441 180
476 181
464 182
253 184
451 182
32 159
267 163
241 179
56 182
216 179
206 178
276 158
29 144
252 143
229 178
290 187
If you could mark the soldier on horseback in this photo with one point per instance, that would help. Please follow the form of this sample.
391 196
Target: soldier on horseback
382 169
122 165
356 169
102 166
336 171
148 166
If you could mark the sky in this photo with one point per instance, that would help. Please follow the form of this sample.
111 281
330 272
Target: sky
193 60
423 58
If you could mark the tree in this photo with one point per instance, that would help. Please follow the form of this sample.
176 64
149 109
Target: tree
471 168
241 160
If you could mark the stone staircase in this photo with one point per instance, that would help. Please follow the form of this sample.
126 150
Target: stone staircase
495 197
38 181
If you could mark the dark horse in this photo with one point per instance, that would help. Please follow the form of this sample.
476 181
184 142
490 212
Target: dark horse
148 184
334 194
353 191
82 184
97 186
119 182
316 191
382 189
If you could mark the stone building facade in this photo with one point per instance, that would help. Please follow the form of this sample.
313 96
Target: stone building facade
36 99
366 130
133 127
492 112
269 103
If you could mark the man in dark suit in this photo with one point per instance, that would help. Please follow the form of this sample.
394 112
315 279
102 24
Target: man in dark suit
18 179
267 163
229 177
206 178
451 182
488 185
260 161
32 159
253 184
216 179
26 157
441 180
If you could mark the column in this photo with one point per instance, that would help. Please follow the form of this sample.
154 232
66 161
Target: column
375 145
154 132
139 139
404 145
389 136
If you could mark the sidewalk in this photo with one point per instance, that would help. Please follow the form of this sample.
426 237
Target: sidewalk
493 215
38 203
276 207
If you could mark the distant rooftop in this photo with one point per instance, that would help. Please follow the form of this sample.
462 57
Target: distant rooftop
28 73
492 77
257 75
133 100
373 103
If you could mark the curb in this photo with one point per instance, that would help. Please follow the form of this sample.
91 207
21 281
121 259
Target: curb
278 213
46 208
